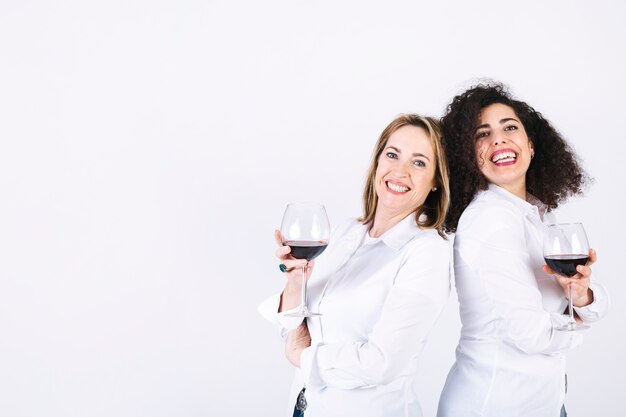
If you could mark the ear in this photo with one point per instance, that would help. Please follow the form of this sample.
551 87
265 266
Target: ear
531 146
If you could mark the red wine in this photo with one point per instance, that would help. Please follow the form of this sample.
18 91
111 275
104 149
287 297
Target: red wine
306 249
565 264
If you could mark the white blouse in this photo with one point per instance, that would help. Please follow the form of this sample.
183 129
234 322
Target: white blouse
509 361
379 298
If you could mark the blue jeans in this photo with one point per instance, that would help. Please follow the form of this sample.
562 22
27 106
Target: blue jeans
298 409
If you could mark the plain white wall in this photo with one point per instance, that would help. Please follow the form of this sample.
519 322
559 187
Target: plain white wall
148 149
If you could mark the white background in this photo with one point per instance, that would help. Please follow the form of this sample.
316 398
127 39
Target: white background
148 149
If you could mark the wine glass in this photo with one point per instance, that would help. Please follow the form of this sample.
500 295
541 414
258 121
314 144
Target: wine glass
305 229
565 247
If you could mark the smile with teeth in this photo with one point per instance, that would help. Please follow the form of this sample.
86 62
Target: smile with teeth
397 188
500 157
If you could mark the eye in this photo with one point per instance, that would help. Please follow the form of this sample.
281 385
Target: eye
510 128
391 155
419 163
481 134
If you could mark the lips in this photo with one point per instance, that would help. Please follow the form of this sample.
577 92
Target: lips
397 187
503 157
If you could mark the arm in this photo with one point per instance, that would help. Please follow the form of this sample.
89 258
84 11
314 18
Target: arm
274 308
412 306
289 298
492 252
599 305
590 299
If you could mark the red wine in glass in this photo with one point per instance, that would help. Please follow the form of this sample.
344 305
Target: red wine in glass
305 249
566 264
565 246
306 230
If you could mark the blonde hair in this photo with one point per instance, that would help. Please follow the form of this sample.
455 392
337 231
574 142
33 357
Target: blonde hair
436 204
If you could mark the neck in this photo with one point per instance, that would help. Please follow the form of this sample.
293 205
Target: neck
385 221
518 190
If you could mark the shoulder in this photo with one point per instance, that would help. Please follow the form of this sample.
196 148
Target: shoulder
426 259
427 242
489 212
495 224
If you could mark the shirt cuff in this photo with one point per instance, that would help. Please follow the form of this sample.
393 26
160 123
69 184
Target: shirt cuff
269 310
598 307
288 322
561 341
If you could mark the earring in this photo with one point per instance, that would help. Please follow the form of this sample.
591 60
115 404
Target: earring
532 155
434 189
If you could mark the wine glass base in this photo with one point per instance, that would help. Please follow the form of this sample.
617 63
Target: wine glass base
572 327
302 314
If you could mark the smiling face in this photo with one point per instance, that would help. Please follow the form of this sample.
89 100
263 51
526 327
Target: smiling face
405 173
503 149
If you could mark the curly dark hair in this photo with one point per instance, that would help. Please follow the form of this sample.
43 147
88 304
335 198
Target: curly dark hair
554 173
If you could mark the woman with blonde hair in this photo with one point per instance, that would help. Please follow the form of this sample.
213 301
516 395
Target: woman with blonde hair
379 286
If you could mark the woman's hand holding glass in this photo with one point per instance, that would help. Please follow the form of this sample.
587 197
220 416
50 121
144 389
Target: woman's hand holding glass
292 294
581 293
306 230
568 256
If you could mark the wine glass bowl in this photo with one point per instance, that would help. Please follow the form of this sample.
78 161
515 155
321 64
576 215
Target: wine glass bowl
565 246
305 229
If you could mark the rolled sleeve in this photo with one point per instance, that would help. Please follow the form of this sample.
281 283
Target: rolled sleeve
269 310
598 307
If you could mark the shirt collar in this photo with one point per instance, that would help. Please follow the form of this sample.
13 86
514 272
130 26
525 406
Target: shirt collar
401 233
533 205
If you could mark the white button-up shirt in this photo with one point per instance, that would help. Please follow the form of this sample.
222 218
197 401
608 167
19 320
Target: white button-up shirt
379 298
509 361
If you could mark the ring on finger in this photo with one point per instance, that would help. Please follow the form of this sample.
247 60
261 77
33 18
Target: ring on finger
283 268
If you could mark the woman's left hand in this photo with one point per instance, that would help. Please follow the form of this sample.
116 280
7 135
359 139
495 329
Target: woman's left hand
581 293
297 340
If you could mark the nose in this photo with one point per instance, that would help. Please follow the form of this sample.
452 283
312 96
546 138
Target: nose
400 170
498 138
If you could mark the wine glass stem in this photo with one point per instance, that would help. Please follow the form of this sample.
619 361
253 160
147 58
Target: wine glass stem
303 307
572 322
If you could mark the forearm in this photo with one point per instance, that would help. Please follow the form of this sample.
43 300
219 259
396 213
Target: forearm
290 297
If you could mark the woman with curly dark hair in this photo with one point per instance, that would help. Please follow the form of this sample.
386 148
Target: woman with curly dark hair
509 168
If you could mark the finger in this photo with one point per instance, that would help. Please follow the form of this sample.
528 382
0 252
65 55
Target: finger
580 287
563 281
278 237
282 252
584 271
593 257
294 264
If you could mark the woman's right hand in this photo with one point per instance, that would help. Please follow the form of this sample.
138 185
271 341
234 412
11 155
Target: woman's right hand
291 295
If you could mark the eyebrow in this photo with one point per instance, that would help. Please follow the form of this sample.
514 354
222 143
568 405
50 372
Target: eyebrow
502 121
415 154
